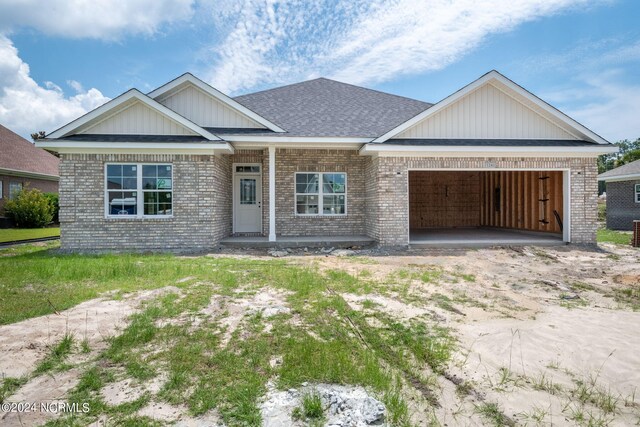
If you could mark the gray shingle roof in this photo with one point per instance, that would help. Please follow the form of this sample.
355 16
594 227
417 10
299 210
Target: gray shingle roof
632 168
324 107
490 142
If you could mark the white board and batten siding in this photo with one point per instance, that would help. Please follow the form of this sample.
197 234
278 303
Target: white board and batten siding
487 112
204 110
138 119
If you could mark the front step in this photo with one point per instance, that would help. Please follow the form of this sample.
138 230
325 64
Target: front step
297 242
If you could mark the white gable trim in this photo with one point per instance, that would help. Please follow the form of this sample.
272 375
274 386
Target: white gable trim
572 126
132 147
132 94
389 150
627 177
208 89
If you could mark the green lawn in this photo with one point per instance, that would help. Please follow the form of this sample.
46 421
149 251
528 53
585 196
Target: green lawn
610 236
11 234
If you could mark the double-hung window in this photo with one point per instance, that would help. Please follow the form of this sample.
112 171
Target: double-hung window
321 193
14 189
637 195
139 190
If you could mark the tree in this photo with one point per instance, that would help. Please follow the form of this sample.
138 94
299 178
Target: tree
629 156
38 135
626 154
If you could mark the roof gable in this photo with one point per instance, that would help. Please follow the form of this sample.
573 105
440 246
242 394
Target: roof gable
18 154
132 113
327 108
492 107
487 112
207 106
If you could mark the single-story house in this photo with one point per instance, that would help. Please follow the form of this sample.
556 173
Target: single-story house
23 164
623 195
187 167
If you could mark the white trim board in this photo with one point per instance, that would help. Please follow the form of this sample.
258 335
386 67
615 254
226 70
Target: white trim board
136 147
115 106
493 76
188 78
26 174
294 139
388 150
628 177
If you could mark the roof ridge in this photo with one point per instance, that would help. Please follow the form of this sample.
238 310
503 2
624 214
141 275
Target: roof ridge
335 81
277 87
374 90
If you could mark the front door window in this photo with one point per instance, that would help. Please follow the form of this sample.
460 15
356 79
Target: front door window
248 191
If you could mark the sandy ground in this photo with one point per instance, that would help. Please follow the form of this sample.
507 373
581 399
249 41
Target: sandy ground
531 325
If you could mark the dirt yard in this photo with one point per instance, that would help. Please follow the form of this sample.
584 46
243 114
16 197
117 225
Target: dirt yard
500 336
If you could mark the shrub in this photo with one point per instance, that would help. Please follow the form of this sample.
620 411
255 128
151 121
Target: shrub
29 209
53 200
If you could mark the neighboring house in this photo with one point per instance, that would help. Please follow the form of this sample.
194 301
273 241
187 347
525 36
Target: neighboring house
23 164
623 195
185 166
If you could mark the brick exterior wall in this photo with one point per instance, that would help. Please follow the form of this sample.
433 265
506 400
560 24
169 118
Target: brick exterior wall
377 197
288 162
201 205
43 185
387 201
622 208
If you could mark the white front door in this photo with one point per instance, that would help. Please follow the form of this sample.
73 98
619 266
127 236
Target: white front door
247 203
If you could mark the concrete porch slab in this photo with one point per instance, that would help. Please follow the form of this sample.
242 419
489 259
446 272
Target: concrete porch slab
297 241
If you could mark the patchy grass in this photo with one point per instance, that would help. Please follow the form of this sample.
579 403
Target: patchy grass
55 359
611 236
492 413
13 234
10 385
629 296
310 408
335 344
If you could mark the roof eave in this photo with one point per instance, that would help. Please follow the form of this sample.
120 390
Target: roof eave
80 147
29 174
614 178
478 151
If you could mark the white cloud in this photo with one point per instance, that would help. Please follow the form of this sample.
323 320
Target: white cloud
603 102
26 107
99 19
360 41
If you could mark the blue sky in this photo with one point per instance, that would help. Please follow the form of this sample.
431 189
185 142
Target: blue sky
582 56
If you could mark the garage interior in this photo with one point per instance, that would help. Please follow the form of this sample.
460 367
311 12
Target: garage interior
486 207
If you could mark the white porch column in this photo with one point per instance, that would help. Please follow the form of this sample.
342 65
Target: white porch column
272 193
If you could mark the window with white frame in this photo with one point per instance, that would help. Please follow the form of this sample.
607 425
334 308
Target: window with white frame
139 190
14 189
321 193
1 192
637 193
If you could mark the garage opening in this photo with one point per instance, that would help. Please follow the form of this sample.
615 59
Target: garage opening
486 207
